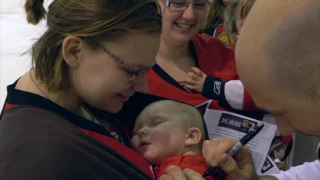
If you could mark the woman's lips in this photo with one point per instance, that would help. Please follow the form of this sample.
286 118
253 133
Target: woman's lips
124 98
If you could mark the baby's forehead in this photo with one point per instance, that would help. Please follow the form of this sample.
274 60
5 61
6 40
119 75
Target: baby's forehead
161 113
162 108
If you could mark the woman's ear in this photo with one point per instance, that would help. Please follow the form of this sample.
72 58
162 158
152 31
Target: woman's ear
193 136
71 49
162 5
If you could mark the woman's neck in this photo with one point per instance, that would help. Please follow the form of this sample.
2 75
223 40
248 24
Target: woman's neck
67 100
170 51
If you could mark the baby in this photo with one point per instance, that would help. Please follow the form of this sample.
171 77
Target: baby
170 133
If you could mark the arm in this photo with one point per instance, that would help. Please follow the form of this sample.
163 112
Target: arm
306 171
214 88
37 144
229 93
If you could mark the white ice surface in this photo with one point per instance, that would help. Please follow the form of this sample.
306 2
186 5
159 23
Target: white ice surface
16 38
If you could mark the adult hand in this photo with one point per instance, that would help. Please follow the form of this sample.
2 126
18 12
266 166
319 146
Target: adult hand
238 167
175 173
195 80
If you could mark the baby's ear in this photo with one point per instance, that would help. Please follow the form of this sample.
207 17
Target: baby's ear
193 136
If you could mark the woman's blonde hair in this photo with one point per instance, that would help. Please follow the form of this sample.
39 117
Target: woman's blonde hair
88 19
230 14
215 16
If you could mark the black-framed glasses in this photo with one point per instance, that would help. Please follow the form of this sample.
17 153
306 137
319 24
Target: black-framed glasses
135 75
184 4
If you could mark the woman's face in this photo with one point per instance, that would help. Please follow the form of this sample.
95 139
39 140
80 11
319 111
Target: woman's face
103 77
181 24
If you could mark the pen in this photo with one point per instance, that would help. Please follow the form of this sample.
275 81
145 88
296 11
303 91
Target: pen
243 141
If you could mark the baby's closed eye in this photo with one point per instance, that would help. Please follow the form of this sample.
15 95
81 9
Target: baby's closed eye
157 122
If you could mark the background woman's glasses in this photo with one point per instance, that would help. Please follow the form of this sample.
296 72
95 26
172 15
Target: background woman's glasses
183 4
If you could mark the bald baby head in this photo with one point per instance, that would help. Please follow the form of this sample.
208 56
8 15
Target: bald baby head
186 113
166 129
278 58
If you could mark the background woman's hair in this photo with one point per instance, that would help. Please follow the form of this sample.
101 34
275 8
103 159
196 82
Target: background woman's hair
230 13
230 18
215 16
88 19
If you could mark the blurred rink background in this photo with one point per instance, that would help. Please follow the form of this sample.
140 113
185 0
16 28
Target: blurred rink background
17 37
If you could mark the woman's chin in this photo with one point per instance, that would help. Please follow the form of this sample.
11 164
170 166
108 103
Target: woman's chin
182 38
114 105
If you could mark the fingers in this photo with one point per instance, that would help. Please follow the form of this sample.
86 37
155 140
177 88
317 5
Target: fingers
166 177
194 76
244 157
197 71
196 79
213 149
192 175
229 166
191 87
237 167
218 146
208 149
190 81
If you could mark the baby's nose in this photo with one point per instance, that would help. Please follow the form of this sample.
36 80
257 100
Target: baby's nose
142 133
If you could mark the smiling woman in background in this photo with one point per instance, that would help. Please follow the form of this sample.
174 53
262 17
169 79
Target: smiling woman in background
195 68
55 123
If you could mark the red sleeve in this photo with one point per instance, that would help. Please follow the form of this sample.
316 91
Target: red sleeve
286 139
214 58
248 103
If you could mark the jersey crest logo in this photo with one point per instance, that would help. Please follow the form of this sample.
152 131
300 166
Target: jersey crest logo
116 136
217 87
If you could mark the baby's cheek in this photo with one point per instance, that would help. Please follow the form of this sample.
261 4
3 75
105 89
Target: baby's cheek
134 142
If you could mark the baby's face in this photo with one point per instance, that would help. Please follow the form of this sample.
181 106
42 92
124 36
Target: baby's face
159 135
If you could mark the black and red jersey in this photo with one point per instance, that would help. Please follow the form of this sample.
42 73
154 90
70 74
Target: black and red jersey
214 59
100 148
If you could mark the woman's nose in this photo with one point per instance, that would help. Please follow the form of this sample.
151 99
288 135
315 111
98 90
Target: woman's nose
189 13
141 85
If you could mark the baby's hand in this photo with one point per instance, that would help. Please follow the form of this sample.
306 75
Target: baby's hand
195 80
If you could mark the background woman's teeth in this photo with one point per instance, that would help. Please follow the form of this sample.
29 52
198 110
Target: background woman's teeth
184 25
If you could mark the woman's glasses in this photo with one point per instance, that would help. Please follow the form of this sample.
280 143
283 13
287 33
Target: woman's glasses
135 75
184 4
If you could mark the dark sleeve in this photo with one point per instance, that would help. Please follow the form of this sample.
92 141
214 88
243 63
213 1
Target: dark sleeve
35 145
213 88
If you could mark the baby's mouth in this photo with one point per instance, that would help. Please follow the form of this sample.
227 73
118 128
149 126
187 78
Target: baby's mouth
143 144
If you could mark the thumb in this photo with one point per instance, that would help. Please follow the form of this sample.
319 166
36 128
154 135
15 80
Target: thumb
230 167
